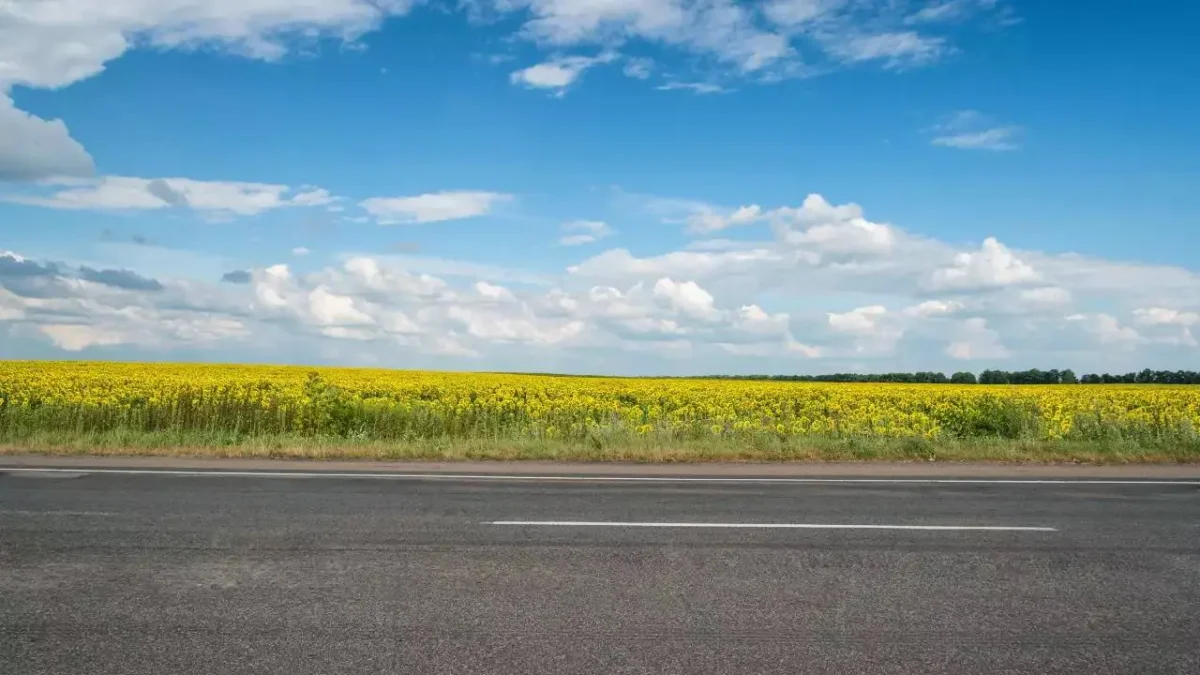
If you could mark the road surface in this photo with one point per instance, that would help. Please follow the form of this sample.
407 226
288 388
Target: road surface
197 572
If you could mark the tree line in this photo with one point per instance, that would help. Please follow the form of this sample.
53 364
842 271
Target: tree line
1032 376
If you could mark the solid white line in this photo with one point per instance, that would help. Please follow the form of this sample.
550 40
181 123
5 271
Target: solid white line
775 526
211 473
103 514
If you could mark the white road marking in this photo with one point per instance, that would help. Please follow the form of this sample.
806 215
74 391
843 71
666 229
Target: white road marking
775 526
214 473
102 514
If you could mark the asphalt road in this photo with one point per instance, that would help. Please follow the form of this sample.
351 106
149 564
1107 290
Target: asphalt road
162 574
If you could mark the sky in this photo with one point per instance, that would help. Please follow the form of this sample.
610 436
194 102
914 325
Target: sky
621 187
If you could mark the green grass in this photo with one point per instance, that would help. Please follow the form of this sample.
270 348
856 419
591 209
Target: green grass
763 448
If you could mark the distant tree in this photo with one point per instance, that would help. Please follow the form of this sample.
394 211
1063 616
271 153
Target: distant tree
1032 376
994 377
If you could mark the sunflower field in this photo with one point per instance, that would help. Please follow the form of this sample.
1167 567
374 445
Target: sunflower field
383 405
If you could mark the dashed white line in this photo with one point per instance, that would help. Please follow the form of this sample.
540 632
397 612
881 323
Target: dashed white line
590 479
774 526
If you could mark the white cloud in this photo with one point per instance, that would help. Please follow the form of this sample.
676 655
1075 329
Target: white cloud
875 331
578 232
620 264
129 193
755 320
970 130
722 28
816 224
1046 296
941 11
793 13
638 68
331 309
994 265
708 220
694 87
432 207
687 297
271 285
957 10
736 34
1107 329
896 49
53 43
316 197
997 138
823 227
371 275
932 308
805 350
1157 316
977 342
300 251
77 337
732 306
559 73
493 292
861 320
33 149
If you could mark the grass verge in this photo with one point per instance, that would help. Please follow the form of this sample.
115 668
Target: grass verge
767 448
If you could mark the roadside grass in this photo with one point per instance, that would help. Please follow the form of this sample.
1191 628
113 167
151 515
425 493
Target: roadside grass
625 448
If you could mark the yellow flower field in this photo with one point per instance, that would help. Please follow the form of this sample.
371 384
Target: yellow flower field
252 401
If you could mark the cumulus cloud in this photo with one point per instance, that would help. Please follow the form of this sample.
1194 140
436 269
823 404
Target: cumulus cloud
1157 316
993 265
432 207
841 229
686 297
977 342
873 329
1046 296
855 302
861 320
707 220
932 308
32 148
493 292
1107 329
560 73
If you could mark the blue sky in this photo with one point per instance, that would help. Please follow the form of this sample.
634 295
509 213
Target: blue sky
626 186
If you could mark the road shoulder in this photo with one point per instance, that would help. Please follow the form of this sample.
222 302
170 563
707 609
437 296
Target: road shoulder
533 468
